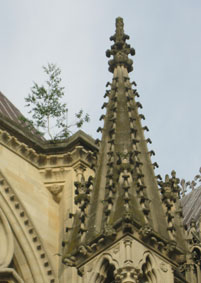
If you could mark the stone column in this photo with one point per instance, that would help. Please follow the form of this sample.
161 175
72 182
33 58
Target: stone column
128 251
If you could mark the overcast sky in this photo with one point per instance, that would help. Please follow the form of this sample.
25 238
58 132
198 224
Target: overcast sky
75 35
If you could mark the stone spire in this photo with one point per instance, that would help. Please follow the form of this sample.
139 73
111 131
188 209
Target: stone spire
124 197
120 49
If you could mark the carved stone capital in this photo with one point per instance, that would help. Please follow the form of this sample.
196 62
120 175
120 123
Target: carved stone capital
128 242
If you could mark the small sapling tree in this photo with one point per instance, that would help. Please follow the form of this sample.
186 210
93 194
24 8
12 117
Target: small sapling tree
49 113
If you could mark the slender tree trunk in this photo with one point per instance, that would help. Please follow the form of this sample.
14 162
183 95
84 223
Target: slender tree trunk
48 127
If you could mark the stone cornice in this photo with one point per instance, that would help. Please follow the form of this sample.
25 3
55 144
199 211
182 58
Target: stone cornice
78 149
40 145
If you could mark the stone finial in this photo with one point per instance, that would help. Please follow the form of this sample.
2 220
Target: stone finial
120 49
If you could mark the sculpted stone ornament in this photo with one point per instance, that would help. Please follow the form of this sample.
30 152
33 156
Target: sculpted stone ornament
85 250
116 249
79 170
109 231
127 222
56 191
69 261
171 246
127 274
6 242
192 185
163 267
146 231
82 198
127 217
193 235
124 159
120 49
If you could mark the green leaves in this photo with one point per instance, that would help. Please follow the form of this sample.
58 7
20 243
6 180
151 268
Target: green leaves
47 109
81 118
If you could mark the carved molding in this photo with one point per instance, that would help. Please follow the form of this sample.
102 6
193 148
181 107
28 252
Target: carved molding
6 241
10 196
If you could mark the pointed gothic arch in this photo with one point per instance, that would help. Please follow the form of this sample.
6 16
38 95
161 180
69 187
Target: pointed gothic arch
148 269
105 268
196 256
29 258
23 257
106 272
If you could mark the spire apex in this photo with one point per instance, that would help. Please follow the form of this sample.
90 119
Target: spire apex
120 49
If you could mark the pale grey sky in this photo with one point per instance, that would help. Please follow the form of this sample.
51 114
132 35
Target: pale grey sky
75 34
